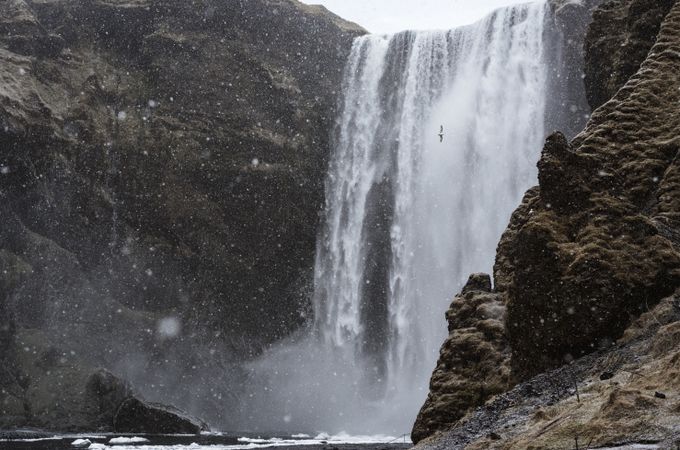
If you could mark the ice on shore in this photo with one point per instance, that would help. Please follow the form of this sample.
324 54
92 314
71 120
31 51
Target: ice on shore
127 440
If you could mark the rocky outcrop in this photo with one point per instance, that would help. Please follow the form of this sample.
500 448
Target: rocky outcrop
598 248
592 248
624 397
474 361
622 34
49 388
161 173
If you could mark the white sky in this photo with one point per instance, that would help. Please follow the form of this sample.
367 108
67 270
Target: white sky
390 16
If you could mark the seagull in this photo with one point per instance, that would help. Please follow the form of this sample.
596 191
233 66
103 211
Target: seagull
441 133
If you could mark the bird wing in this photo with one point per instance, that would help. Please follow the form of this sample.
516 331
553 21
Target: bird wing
441 128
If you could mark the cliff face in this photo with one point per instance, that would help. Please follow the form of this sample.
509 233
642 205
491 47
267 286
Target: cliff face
596 244
617 43
590 249
161 173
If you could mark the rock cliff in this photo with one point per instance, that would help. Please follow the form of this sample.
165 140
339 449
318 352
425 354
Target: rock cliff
590 250
618 42
161 174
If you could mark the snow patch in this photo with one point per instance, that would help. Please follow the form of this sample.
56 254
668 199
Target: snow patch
127 440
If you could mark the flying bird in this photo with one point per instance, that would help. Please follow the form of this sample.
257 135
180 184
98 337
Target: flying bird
441 133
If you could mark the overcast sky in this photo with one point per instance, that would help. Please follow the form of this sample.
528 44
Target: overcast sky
389 16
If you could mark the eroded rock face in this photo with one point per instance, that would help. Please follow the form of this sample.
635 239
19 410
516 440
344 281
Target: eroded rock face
181 141
598 246
617 43
474 361
627 397
161 173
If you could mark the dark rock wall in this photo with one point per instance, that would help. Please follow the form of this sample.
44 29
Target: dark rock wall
161 175
617 43
598 246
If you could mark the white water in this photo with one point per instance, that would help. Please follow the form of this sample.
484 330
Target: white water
408 217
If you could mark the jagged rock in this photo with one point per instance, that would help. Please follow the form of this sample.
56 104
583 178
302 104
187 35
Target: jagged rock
617 43
562 175
136 416
473 362
477 282
592 253
617 412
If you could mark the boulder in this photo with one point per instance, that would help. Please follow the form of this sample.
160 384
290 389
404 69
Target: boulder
137 416
107 393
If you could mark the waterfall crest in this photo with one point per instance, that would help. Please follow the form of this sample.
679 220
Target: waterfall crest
410 214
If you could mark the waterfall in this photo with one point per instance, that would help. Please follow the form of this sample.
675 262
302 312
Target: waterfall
409 215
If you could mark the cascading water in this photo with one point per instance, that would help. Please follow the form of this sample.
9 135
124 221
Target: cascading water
409 215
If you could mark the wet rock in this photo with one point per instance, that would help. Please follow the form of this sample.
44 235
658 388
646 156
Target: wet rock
136 416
